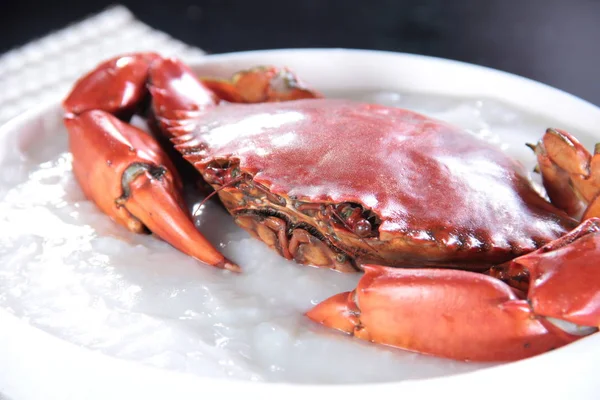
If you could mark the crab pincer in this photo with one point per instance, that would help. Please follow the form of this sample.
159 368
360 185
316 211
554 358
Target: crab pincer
472 316
122 168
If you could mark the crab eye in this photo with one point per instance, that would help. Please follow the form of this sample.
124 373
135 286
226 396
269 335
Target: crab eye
355 218
362 228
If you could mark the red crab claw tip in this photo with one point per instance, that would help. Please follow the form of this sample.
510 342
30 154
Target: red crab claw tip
231 266
152 201
114 86
130 178
335 313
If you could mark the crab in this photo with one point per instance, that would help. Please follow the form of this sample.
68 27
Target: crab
462 257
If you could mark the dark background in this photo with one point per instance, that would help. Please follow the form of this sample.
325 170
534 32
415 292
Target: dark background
553 41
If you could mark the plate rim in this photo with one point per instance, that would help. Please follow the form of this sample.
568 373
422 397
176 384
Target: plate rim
164 379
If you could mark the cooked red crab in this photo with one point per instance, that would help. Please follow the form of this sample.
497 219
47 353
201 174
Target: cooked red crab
343 185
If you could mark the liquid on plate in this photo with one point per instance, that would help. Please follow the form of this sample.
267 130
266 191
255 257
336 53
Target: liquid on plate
69 270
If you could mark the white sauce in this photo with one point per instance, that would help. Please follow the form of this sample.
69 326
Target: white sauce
67 269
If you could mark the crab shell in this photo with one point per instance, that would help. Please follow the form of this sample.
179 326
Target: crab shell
336 183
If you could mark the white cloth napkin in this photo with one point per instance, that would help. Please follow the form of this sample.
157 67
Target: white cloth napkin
46 68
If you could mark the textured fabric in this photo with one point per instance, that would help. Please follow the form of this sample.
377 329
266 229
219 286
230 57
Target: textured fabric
46 68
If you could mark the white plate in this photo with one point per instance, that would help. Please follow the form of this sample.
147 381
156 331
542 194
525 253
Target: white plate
36 365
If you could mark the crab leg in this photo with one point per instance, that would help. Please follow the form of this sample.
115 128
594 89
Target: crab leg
468 316
260 85
122 168
571 175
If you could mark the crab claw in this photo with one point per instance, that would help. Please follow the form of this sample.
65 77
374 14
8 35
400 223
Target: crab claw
261 84
470 316
449 313
564 279
571 175
130 178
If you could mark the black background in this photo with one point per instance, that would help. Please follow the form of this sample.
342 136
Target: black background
553 41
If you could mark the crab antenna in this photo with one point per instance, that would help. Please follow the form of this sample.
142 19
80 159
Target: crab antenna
228 184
